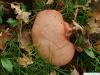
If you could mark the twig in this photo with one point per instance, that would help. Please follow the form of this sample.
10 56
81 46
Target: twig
76 13
20 31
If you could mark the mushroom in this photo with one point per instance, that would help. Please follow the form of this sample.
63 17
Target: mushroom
50 33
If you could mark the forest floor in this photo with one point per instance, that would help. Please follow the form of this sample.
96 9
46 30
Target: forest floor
18 56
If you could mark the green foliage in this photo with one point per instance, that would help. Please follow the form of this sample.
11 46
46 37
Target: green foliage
6 63
80 41
12 22
39 67
64 71
1 11
12 49
82 2
68 10
9 58
82 17
82 14
1 14
1 19
23 7
89 52
39 4
89 59
86 62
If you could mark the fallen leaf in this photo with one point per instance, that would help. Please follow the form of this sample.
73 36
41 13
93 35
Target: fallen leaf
4 37
16 7
50 2
26 42
94 38
94 30
77 26
25 60
96 17
74 72
97 46
79 49
24 16
21 15
53 73
93 26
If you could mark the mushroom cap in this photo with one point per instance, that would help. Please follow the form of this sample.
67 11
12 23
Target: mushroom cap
49 35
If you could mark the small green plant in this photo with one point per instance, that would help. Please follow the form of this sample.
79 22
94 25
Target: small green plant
81 2
10 66
40 66
89 52
87 60
39 4
12 22
68 10
6 63
9 57
23 7
82 17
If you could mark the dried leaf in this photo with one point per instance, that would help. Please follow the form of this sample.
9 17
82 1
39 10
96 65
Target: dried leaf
96 15
16 7
79 49
25 60
24 16
21 15
94 27
77 26
74 72
97 46
50 2
4 37
25 40
53 73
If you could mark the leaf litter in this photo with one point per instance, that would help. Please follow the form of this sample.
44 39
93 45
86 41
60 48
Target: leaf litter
5 35
25 41
21 15
25 60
